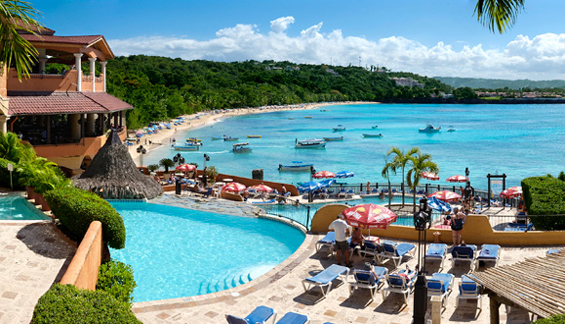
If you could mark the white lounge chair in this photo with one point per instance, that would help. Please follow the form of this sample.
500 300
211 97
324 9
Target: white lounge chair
325 278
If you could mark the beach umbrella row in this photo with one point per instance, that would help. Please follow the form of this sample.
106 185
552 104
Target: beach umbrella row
312 186
511 192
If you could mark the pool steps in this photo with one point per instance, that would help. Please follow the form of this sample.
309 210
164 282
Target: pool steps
231 280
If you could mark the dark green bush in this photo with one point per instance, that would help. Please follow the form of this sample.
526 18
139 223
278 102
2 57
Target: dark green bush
116 278
545 196
555 319
77 208
67 304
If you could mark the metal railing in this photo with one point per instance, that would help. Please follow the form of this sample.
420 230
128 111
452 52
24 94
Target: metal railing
301 214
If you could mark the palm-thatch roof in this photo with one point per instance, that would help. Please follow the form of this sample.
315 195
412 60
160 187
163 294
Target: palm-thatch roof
112 174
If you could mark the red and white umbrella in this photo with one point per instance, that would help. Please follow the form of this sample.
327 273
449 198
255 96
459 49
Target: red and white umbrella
369 216
323 174
457 178
235 187
186 167
512 192
430 176
261 188
446 195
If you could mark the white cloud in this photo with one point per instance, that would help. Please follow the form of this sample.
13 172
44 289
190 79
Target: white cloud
540 57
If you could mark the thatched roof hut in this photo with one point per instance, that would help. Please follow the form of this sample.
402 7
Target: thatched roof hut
112 174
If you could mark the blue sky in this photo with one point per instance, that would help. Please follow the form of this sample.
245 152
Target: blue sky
431 37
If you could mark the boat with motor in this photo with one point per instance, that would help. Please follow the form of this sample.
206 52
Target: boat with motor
186 147
451 129
430 129
373 135
296 166
194 139
230 139
217 138
253 136
375 126
333 138
310 143
241 148
339 128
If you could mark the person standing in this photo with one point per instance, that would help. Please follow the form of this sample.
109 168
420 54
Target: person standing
457 221
368 189
341 229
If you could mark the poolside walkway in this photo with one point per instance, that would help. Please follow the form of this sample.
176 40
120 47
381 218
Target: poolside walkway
282 290
33 255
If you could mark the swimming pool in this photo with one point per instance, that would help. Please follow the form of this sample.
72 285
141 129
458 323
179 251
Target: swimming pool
17 208
177 252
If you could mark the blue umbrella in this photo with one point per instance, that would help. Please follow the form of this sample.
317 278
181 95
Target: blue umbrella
344 174
309 186
326 183
439 205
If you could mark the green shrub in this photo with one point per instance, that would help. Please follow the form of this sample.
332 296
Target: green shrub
545 196
77 208
555 319
64 304
116 278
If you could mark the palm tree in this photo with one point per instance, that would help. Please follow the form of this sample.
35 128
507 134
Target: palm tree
14 49
167 163
420 163
498 14
400 160
385 173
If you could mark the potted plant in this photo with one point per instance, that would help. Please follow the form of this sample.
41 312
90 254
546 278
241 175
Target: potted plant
211 173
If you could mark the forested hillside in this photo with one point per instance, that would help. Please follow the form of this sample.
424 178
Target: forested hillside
500 84
160 88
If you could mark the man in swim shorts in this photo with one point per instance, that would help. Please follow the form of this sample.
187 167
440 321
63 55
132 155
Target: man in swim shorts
341 229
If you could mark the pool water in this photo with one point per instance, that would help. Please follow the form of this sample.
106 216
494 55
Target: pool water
177 252
18 208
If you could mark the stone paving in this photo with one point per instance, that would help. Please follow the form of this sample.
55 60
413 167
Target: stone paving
33 255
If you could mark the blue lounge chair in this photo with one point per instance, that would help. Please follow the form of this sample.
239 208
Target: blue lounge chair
366 279
395 251
468 289
326 241
437 251
372 249
399 284
261 314
463 253
553 251
293 318
325 278
489 252
441 285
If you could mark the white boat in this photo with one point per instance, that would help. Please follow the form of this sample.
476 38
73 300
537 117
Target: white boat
217 138
296 166
230 139
194 139
339 128
373 135
241 148
430 129
186 147
310 143
451 129
333 138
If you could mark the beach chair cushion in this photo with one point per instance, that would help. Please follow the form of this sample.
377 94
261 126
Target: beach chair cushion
436 251
464 252
468 287
327 240
259 315
328 275
489 252
293 318
440 282
404 248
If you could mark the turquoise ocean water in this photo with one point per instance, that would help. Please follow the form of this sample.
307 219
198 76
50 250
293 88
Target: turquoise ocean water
518 140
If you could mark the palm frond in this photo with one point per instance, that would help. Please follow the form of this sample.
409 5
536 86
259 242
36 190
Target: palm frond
498 14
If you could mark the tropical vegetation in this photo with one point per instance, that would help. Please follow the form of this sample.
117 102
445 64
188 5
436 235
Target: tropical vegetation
420 163
498 15
545 196
399 161
116 278
161 88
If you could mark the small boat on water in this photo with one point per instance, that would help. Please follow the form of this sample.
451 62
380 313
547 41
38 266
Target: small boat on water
241 148
430 129
308 117
373 135
193 139
333 138
192 142
310 143
375 126
451 129
296 166
230 139
217 138
290 118
253 136
186 147
339 128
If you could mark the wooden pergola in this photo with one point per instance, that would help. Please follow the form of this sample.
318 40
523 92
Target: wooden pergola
536 285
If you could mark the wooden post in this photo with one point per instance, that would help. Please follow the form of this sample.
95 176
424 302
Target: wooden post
494 306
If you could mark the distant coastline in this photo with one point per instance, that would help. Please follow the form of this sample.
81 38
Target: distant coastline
509 101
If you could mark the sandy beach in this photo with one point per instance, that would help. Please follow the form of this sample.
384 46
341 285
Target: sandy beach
165 136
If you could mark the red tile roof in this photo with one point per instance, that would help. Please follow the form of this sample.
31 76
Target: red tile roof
78 40
64 103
